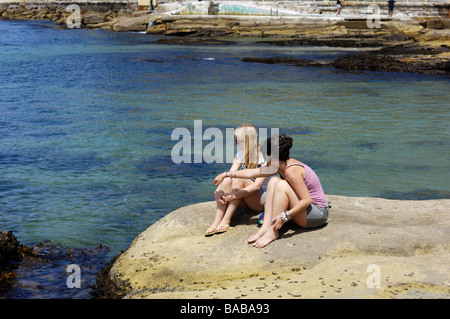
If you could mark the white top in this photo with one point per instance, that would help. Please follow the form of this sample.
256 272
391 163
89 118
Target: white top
241 159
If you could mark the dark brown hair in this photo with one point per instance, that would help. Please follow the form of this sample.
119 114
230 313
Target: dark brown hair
284 145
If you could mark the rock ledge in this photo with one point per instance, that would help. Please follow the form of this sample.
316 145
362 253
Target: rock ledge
407 241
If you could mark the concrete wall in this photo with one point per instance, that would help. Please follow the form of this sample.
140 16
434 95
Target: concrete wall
406 8
437 8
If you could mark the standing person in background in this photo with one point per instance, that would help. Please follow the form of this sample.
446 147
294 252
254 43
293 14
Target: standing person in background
391 7
339 4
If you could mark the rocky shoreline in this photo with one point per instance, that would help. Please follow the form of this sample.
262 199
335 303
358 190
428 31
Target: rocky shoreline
91 14
11 254
413 45
407 241
400 58
40 269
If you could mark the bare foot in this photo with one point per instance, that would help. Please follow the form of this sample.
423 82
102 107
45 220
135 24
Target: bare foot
258 235
270 235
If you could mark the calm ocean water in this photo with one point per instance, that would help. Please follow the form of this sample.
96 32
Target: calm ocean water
86 118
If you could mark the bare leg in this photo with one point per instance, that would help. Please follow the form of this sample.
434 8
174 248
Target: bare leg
224 223
267 210
283 199
253 201
224 187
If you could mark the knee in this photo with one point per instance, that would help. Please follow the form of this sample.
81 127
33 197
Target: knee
226 182
282 185
273 182
225 186
237 183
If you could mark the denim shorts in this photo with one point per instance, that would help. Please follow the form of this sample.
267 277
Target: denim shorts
316 216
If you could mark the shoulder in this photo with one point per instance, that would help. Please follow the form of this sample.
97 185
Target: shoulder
294 172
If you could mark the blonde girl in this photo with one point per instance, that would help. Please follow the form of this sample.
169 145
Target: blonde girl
233 192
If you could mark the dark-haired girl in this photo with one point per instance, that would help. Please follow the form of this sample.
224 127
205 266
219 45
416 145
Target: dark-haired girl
297 196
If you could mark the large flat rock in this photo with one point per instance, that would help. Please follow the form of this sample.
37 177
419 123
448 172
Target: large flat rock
402 244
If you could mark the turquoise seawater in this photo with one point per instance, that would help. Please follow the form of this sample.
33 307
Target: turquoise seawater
86 118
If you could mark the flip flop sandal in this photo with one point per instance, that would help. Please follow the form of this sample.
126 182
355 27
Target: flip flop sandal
210 231
225 228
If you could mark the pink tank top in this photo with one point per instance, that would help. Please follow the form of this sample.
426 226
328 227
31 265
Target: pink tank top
312 182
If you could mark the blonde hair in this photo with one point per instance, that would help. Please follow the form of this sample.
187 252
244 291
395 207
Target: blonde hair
248 133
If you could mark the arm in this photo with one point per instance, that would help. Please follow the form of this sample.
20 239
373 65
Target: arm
246 191
218 194
264 171
234 167
295 178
